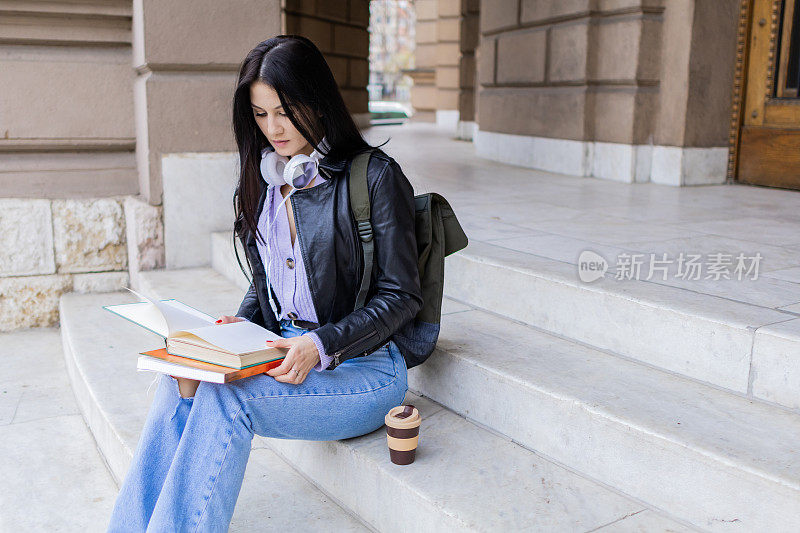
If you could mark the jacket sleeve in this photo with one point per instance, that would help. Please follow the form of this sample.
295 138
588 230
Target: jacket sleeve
250 309
396 293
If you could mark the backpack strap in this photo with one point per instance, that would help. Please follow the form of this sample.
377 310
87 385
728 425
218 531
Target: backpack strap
359 203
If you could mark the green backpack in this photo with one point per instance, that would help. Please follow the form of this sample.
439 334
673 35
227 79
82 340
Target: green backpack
438 235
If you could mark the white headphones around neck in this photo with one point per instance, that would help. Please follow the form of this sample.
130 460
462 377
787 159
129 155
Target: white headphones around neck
280 170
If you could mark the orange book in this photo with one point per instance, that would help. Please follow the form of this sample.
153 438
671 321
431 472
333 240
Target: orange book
184 367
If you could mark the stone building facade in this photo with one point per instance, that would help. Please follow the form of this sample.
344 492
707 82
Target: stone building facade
627 90
116 150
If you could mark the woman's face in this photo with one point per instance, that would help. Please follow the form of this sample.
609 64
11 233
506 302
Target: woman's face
274 123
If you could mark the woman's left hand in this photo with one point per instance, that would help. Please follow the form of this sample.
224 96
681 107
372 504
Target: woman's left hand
302 356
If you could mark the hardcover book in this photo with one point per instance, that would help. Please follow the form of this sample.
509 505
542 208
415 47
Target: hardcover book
193 334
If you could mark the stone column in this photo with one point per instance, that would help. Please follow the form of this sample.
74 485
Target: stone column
339 29
186 54
423 93
635 90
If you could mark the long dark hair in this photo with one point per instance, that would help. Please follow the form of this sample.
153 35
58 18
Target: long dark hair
296 69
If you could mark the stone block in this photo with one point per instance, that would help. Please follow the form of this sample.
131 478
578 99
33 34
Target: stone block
338 66
31 301
521 57
542 10
466 105
89 235
350 41
198 189
568 52
145 236
776 363
426 31
359 73
337 9
359 12
650 50
486 61
356 100
426 10
448 30
614 112
201 32
617 46
467 71
447 53
616 5
447 77
470 33
318 31
449 8
423 97
497 15
425 56
447 99
87 80
26 237
99 282
541 111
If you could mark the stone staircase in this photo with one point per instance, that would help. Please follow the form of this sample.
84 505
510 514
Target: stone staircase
549 405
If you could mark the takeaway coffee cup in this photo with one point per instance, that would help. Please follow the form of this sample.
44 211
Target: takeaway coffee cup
402 433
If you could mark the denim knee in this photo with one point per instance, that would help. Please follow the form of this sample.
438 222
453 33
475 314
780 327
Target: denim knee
222 401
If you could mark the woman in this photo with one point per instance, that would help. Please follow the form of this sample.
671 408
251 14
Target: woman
189 464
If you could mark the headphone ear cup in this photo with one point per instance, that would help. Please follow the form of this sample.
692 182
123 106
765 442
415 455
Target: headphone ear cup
273 167
296 168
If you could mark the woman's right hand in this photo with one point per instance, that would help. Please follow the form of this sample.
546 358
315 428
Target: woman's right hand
226 319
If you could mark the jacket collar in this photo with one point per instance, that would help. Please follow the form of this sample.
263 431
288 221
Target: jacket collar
331 163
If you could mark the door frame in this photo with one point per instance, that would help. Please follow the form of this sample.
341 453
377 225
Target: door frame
755 112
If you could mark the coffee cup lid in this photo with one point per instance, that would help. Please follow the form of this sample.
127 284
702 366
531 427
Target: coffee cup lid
403 416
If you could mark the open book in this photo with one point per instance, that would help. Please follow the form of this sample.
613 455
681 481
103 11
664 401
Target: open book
192 333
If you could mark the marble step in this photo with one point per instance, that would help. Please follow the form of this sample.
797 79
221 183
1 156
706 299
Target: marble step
466 477
738 346
628 424
100 350
715 459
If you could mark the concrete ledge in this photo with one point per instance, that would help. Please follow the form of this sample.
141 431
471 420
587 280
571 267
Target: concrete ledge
717 460
700 336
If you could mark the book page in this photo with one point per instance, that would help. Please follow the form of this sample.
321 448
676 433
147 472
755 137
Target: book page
142 314
178 316
236 337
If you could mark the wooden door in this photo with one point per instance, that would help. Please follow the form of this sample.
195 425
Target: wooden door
769 124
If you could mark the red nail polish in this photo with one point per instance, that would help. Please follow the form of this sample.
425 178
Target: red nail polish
218 321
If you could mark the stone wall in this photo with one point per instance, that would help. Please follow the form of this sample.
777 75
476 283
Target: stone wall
630 90
54 246
66 112
339 29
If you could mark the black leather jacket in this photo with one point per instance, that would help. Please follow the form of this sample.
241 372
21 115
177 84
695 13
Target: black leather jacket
333 259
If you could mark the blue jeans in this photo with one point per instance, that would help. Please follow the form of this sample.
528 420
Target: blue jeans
189 464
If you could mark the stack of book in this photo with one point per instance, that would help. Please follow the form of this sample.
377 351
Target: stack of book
197 348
